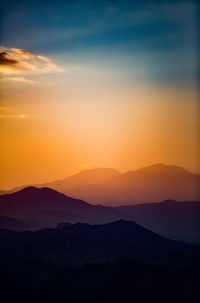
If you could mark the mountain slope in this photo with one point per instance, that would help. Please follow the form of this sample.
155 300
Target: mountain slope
45 207
109 187
154 183
176 220
81 243
115 281
91 176
35 208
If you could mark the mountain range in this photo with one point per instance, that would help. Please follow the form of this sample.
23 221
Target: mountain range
45 207
110 187
60 249
34 208
172 219
77 244
110 262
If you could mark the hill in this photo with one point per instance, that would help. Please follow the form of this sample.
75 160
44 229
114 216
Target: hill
35 208
109 187
45 207
125 261
77 244
153 183
172 219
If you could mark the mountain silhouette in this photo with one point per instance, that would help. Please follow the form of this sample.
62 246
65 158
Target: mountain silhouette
115 281
77 244
34 208
172 219
45 207
109 187
90 176
83 263
154 183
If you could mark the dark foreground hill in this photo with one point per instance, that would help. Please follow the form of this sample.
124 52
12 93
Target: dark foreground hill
119 281
81 243
126 260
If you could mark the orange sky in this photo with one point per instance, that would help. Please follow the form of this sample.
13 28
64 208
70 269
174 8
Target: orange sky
51 129
107 85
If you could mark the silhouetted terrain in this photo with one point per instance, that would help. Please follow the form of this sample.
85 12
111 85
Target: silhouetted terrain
79 243
43 266
35 208
45 207
109 187
119 281
154 183
175 220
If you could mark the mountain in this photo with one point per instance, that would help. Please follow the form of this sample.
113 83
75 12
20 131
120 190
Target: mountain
77 244
91 176
115 281
159 182
153 183
109 187
34 208
10 223
172 219
45 207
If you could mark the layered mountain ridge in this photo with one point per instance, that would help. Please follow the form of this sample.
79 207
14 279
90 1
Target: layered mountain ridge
34 208
111 188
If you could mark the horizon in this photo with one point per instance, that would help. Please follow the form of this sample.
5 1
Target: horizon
92 169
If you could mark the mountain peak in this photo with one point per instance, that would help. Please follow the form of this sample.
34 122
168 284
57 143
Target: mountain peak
34 190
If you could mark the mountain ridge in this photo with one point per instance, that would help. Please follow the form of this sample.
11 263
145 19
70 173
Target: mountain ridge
35 208
47 207
81 243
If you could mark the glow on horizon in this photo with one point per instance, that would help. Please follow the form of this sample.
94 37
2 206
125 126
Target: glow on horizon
116 127
110 86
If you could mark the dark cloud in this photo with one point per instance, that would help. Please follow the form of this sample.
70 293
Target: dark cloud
5 60
16 60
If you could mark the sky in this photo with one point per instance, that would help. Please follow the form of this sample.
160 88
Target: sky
97 84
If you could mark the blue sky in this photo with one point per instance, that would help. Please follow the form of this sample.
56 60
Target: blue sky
160 35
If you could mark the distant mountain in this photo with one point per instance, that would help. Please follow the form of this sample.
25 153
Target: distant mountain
91 176
154 183
45 207
109 187
172 219
77 244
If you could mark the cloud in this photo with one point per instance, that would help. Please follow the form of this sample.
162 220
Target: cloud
18 79
5 60
18 61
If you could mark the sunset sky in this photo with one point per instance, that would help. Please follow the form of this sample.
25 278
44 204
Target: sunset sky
96 84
